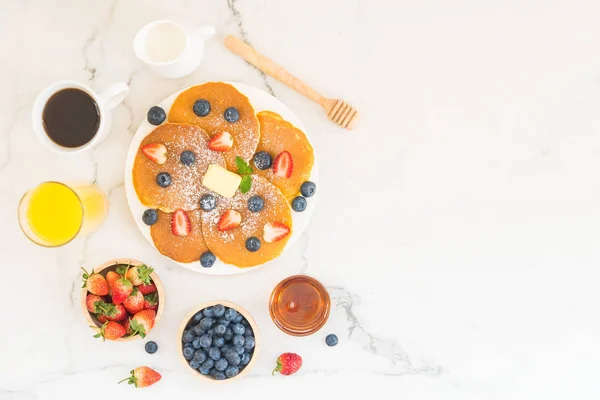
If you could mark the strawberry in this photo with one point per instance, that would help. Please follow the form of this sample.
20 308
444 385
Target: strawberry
142 377
102 318
180 224
222 141
275 231
139 275
135 301
151 301
111 277
288 363
156 152
142 322
111 330
91 300
229 220
121 289
127 327
95 283
283 165
147 289
112 312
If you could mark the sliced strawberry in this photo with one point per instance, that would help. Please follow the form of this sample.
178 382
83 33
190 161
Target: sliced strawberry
283 165
222 141
180 224
156 152
229 220
275 231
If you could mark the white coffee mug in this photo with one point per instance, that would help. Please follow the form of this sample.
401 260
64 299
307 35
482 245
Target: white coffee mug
106 101
179 46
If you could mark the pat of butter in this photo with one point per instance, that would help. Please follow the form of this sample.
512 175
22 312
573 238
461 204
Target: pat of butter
222 181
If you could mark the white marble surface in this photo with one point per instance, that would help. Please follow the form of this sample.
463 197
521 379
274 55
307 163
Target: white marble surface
457 227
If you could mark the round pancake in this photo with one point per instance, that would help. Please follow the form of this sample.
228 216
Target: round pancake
185 190
276 136
221 96
183 249
230 246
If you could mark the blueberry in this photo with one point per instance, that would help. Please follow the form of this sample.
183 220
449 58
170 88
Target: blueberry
220 330
331 340
308 189
232 371
208 312
198 331
262 160
233 358
230 314
231 115
252 244
197 343
214 353
198 316
299 204
201 108
200 356
187 158
225 347
228 334
219 310
238 329
213 372
204 371
249 343
211 332
221 364
220 376
209 363
156 115
238 319
249 332
188 336
151 347
194 364
208 202
224 321
207 259
150 216
245 322
245 359
230 355
238 340
218 342
256 203
163 179
188 352
205 341
206 323
240 350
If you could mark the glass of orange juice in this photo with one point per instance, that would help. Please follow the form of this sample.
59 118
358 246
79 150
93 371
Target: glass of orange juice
53 213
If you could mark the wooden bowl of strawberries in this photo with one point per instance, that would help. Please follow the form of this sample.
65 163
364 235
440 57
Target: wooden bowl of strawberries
122 299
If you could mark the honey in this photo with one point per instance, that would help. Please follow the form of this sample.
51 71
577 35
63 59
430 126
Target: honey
299 305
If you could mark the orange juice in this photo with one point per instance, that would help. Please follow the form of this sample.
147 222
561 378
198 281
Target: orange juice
53 213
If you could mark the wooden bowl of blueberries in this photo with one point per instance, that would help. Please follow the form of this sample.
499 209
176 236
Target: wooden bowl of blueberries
219 341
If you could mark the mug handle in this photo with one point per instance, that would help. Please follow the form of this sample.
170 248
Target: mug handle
113 95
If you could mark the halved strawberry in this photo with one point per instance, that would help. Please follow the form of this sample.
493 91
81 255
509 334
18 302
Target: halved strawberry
283 165
222 141
229 220
275 231
156 152
180 224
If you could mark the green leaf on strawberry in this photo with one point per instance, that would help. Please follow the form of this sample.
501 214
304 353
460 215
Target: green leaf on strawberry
144 273
137 328
122 269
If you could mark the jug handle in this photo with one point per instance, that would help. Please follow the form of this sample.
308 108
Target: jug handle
205 32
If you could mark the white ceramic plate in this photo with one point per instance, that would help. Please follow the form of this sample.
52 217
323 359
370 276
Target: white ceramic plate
261 101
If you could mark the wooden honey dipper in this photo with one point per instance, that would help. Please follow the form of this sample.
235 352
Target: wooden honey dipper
338 111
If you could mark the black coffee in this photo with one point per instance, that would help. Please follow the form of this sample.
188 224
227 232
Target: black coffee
71 118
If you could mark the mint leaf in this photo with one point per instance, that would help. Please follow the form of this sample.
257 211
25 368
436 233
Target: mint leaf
242 166
245 184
